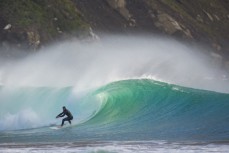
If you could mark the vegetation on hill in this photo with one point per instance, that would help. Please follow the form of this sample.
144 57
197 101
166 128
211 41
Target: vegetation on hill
36 21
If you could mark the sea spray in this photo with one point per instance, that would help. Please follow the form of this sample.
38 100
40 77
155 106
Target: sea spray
88 65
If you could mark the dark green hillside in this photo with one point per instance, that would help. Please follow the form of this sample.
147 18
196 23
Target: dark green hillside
39 21
32 23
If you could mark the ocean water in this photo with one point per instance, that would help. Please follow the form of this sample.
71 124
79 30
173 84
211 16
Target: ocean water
138 115
127 94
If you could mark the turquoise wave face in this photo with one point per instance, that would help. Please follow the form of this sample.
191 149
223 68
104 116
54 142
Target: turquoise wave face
124 110
24 108
154 110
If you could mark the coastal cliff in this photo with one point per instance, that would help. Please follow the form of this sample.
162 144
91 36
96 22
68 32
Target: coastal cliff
33 23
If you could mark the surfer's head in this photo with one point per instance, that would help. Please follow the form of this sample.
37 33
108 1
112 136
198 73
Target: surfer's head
64 108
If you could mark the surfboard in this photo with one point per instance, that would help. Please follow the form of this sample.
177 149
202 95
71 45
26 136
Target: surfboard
56 127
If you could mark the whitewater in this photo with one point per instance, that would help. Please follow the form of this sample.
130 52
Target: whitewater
127 94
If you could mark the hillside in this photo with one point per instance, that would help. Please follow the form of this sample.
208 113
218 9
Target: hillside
37 22
31 23
203 20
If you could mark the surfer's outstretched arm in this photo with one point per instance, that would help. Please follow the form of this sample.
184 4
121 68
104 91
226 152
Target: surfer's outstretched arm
60 115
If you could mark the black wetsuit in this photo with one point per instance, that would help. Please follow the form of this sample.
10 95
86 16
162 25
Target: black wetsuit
68 118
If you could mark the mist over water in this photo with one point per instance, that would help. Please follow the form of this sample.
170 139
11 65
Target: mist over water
88 65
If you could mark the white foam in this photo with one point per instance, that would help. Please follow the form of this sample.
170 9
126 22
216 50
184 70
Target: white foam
116 147
23 119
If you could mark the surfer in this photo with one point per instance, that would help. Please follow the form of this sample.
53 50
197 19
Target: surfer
67 113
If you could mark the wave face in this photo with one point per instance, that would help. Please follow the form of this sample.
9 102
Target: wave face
123 110
148 109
